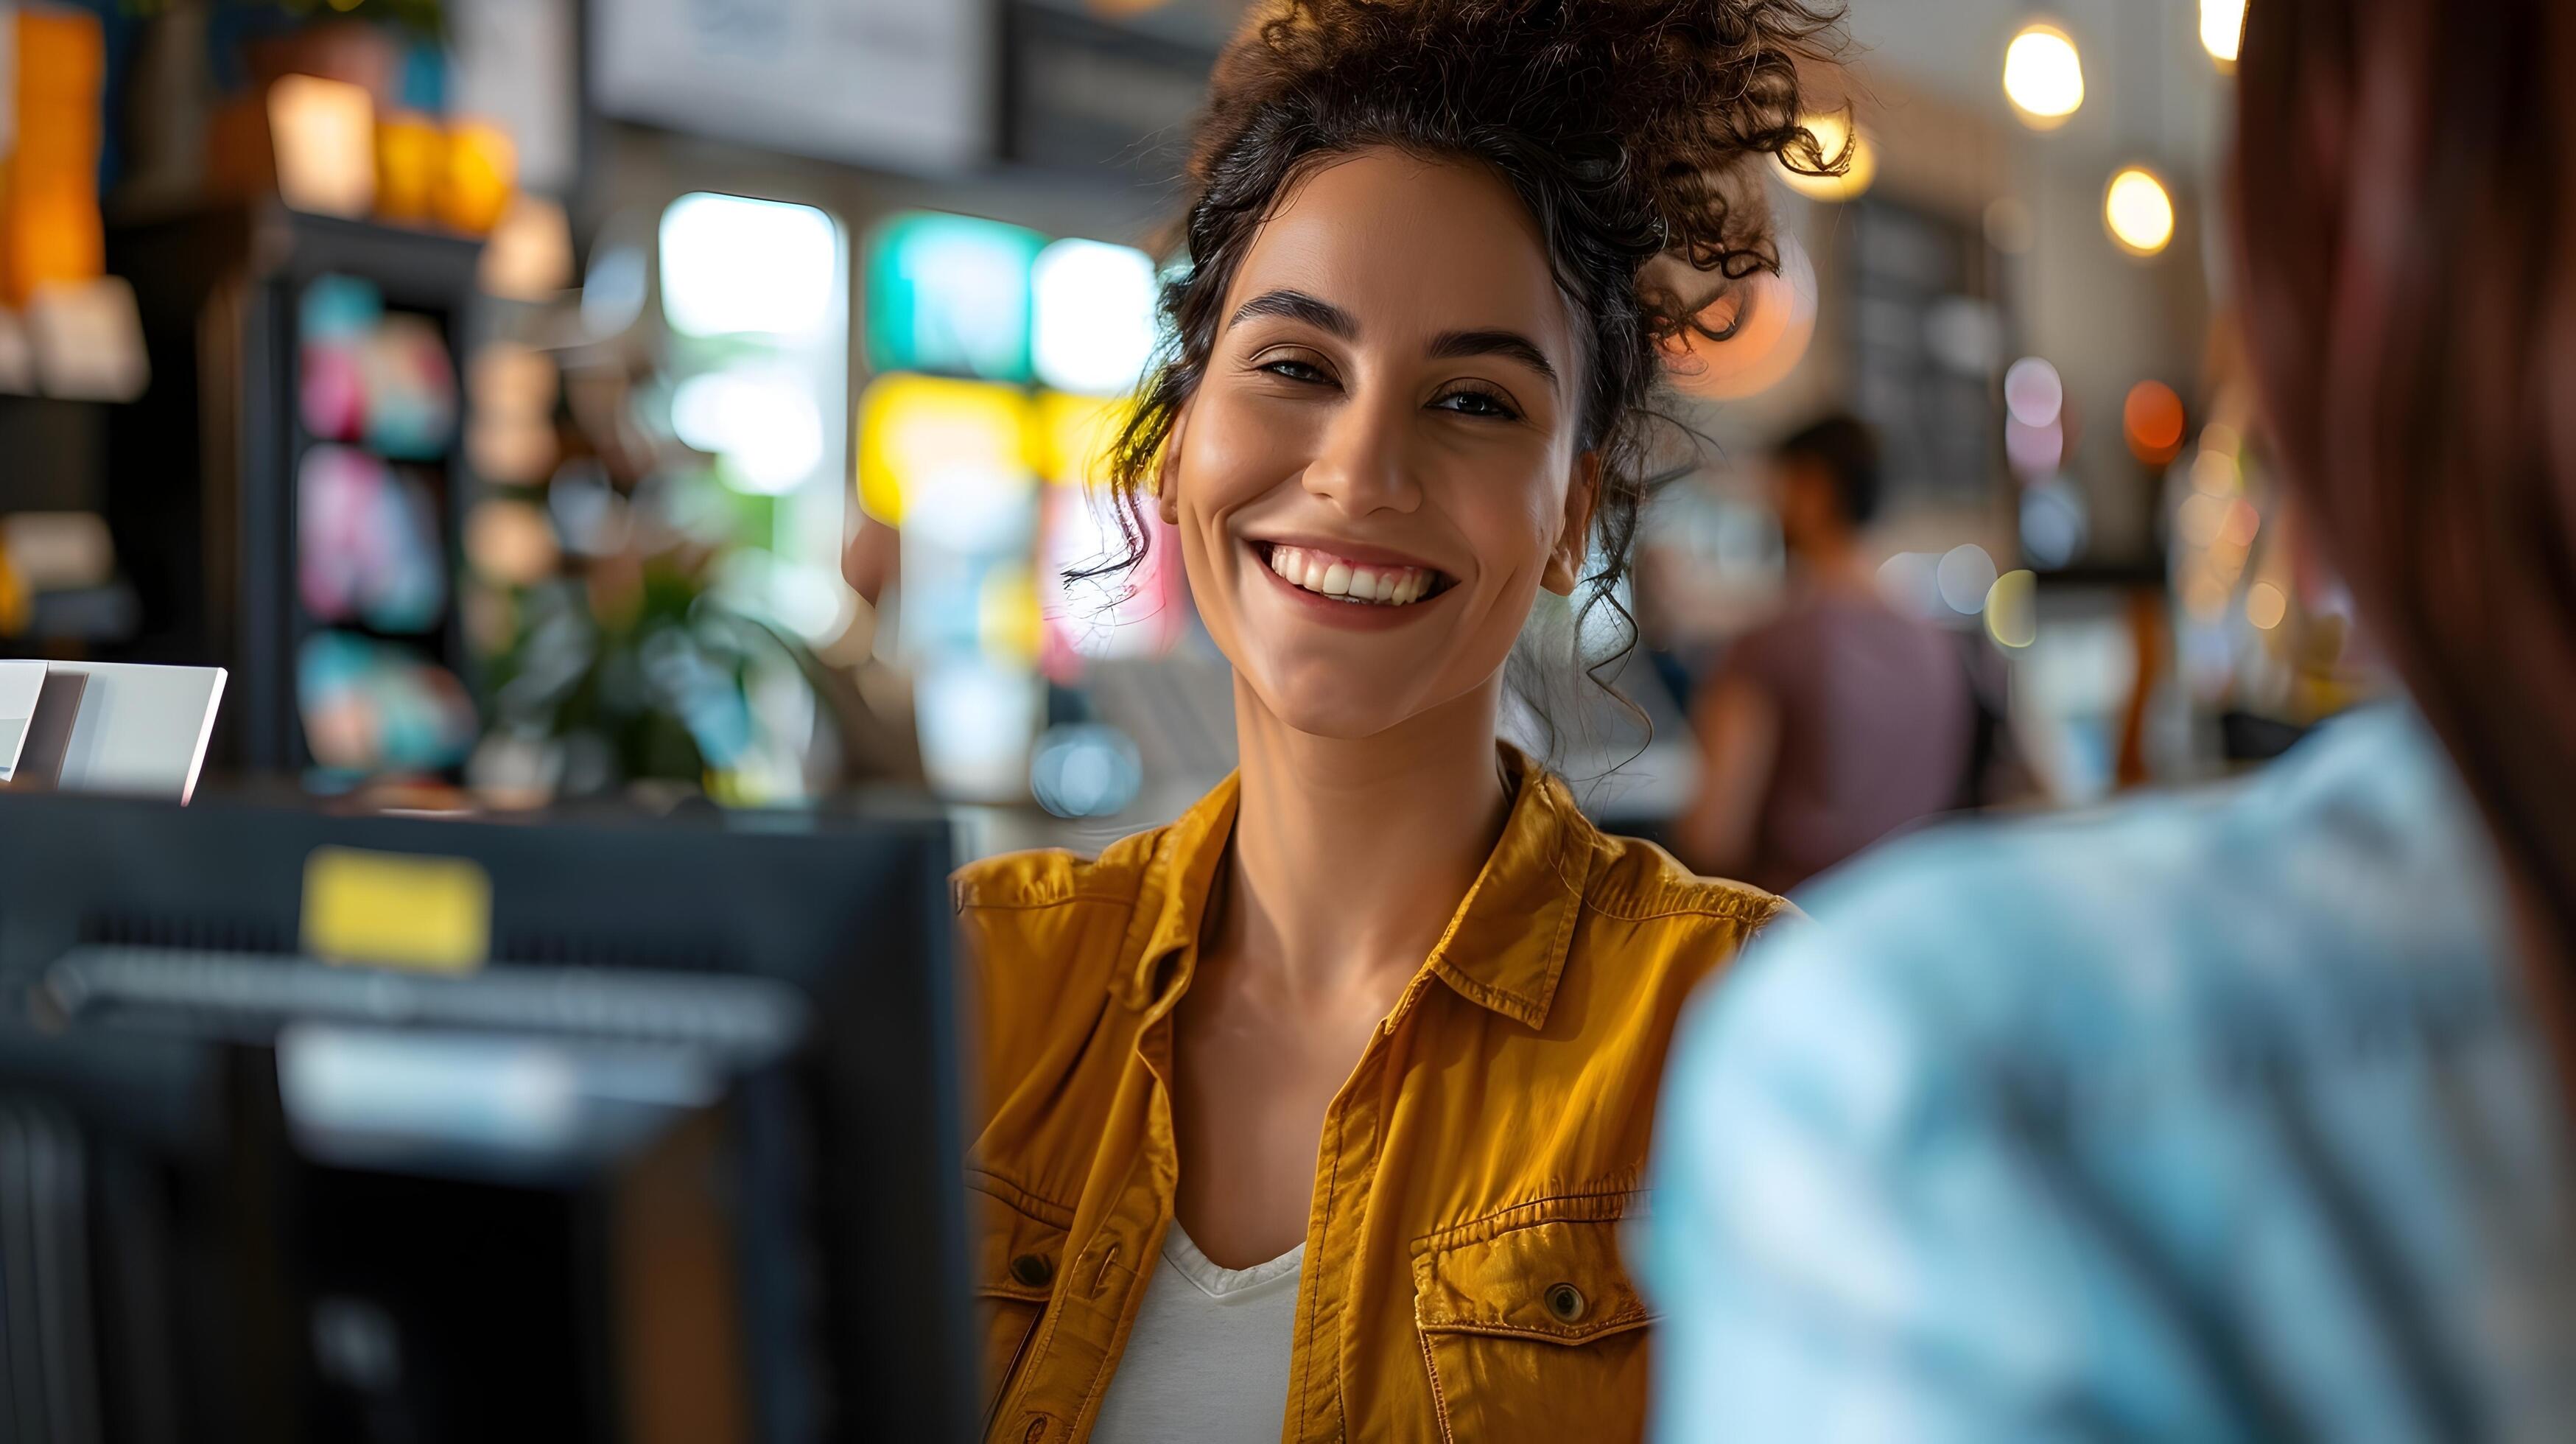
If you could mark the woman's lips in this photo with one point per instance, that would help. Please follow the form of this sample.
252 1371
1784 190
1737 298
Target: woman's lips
1333 574
1348 592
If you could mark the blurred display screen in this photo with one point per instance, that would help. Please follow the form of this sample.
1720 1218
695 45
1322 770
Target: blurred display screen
955 452
713 286
894 83
951 294
1094 309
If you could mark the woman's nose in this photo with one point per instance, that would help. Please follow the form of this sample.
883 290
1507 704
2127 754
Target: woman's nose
1362 466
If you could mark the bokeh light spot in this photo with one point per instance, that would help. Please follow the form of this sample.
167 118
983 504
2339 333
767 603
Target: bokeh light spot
2138 211
2265 605
2043 76
2152 421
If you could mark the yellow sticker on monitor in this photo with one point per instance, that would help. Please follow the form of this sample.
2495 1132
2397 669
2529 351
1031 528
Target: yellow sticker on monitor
397 910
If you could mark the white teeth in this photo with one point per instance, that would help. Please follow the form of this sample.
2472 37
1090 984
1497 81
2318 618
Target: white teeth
1331 576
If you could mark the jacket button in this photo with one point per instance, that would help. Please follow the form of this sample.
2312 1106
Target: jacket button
1033 1271
1567 1303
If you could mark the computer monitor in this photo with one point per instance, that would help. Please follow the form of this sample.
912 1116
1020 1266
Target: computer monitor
651 1136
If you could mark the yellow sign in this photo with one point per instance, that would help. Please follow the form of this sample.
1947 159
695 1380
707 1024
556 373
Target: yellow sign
397 910
1075 436
918 435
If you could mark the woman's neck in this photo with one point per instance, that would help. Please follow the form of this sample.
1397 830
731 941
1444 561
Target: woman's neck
1350 855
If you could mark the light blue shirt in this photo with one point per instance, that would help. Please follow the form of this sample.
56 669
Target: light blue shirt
2210 1118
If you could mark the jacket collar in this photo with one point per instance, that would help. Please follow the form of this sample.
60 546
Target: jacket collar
1505 946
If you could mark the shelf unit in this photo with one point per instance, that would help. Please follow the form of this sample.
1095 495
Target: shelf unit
203 484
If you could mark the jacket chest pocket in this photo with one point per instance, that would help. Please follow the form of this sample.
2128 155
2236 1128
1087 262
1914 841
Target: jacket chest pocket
1013 1268
1533 1333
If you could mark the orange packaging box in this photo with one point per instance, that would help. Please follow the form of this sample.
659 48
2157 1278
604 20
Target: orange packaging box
50 228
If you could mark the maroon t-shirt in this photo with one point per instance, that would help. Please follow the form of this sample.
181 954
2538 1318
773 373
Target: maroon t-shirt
1876 724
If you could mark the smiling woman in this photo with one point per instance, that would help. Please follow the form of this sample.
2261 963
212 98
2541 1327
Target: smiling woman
1315 1115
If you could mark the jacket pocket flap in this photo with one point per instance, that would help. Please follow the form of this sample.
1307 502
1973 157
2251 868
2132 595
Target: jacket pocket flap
1015 1254
1560 1281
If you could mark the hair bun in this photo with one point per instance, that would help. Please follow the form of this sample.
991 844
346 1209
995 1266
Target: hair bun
1655 106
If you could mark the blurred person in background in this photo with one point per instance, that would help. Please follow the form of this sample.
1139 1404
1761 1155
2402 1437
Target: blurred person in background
2243 1116
1313 1115
1841 719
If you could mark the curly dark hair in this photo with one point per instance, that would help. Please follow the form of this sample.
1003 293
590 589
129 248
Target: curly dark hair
1625 126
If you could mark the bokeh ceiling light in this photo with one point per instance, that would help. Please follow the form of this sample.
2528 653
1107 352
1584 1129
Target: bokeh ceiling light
2033 391
2138 212
1833 134
1774 315
2043 76
2222 26
1965 574
2012 609
2053 523
2151 419
2033 451
2266 605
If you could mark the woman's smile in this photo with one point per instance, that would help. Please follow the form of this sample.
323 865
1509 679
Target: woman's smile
1353 571
1364 592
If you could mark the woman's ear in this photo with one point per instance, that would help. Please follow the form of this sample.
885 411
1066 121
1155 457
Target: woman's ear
1565 563
1167 493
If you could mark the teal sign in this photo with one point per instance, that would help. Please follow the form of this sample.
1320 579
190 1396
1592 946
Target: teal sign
949 295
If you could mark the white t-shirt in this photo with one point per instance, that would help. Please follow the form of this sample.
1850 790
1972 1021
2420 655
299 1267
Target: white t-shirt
1207 1362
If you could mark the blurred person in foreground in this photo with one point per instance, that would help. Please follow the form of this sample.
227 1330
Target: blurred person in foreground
1313 1115
2244 1116
1841 719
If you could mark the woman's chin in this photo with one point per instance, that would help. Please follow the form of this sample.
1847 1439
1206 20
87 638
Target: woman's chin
1345 703
1344 720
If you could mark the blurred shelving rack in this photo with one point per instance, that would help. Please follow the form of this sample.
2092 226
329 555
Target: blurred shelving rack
53 458
203 483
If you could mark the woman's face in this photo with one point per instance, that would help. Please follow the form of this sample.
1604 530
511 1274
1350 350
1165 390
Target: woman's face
1378 470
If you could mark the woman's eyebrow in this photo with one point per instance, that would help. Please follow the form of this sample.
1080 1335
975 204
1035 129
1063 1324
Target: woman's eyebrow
1324 316
1449 345
1315 311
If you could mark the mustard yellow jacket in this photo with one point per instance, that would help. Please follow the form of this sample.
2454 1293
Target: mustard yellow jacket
1462 1278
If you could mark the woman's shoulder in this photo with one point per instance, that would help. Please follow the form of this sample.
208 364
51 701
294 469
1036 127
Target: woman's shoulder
1636 880
1036 924
1055 877
1650 928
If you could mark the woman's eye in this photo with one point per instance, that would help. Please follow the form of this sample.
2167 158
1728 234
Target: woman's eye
1477 403
1296 370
